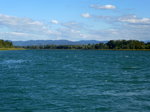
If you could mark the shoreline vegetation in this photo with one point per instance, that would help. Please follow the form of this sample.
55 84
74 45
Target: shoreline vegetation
129 45
7 45
3 49
110 45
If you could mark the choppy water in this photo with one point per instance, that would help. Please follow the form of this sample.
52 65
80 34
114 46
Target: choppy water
74 81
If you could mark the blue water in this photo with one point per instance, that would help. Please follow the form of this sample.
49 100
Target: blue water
74 81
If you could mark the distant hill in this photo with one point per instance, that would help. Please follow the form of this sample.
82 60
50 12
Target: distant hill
55 42
146 41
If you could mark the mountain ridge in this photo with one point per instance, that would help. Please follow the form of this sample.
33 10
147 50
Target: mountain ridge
55 42
58 42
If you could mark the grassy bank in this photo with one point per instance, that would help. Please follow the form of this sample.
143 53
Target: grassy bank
12 49
97 49
77 49
126 49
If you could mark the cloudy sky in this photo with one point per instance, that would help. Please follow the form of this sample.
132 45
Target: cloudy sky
74 19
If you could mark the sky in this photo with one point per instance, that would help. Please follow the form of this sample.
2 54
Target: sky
74 20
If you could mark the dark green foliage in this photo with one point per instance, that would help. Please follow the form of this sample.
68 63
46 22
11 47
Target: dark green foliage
147 45
112 44
100 46
5 44
125 44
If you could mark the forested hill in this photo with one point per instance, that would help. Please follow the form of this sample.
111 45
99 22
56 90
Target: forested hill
6 44
54 42
112 44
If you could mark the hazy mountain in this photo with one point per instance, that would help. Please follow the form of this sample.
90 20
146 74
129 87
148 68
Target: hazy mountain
146 41
58 42
55 42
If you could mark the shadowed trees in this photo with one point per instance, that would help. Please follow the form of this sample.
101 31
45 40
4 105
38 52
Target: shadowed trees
5 44
112 44
125 44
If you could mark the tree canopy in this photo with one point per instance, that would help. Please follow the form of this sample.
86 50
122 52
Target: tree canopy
112 44
5 44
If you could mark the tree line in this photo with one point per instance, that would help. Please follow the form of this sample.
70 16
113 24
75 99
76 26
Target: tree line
6 44
112 44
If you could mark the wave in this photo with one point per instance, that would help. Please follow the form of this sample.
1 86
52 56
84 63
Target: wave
13 61
128 68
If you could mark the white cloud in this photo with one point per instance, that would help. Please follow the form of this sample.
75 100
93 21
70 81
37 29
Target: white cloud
15 28
125 27
74 25
86 15
54 22
15 21
18 34
22 24
107 7
134 20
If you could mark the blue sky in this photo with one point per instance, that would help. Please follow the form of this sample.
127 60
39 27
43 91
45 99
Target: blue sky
74 19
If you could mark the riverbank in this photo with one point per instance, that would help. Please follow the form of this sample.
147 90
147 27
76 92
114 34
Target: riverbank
2 49
126 49
78 49
98 49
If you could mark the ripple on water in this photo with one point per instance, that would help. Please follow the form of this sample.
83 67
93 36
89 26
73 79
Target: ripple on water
74 81
13 61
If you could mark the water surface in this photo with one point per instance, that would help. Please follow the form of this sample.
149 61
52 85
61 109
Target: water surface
74 81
